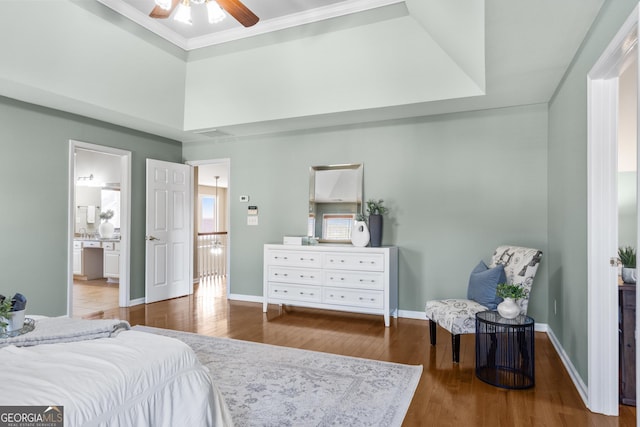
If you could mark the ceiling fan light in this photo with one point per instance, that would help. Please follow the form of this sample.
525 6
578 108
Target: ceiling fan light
183 13
197 1
164 4
215 12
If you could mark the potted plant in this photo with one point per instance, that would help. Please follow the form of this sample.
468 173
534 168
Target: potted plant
12 313
106 228
509 308
627 256
375 209
5 309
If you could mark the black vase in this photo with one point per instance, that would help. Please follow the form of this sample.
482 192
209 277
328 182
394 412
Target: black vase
375 229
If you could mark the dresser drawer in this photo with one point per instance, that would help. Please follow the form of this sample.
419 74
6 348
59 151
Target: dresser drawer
294 292
353 297
354 279
295 275
294 259
91 244
368 262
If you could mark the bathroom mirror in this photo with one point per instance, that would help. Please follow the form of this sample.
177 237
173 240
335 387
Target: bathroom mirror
335 198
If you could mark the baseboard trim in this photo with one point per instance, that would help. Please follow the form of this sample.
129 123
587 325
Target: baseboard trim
136 301
583 391
247 298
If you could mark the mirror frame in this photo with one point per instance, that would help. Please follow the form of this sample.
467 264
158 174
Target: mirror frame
355 208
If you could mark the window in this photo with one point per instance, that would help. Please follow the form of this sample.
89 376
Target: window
337 226
207 214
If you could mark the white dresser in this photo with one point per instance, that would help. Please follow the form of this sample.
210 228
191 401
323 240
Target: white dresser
333 277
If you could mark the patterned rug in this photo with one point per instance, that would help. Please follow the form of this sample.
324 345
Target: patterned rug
266 385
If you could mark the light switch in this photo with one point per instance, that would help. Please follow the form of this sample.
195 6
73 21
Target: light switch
252 220
244 199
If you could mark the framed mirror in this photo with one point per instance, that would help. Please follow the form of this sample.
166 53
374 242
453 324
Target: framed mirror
335 198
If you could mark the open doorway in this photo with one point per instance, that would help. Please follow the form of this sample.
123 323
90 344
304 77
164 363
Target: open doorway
99 218
604 181
211 225
627 226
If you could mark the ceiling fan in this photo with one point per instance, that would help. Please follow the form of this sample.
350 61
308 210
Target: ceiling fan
215 8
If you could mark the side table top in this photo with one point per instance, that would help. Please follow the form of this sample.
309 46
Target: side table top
494 317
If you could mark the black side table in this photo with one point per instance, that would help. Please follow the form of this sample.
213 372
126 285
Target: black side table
505 350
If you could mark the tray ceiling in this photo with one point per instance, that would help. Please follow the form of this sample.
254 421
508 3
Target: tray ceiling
274 16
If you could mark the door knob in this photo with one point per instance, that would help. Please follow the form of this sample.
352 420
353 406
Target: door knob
152 238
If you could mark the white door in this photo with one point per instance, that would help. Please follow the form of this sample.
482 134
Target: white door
168 231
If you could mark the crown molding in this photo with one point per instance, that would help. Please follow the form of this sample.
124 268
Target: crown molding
262 27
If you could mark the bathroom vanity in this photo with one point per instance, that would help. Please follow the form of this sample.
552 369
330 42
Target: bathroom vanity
96 259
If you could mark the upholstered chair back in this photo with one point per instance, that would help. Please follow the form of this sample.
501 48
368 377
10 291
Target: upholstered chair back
520 267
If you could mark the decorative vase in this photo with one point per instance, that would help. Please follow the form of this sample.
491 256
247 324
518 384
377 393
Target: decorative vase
375 229
360 234
15 320
509 308
106 229
629 275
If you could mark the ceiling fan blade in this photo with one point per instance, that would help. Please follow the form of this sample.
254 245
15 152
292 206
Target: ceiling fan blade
239 11
160 13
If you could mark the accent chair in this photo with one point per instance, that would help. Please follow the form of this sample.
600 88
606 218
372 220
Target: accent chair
509 264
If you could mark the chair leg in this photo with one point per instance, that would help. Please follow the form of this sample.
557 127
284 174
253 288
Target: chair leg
455 348
432 332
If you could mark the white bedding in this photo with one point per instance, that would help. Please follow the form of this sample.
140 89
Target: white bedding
133 379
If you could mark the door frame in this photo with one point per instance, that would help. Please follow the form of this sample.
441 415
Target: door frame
124 287
602 218
227 163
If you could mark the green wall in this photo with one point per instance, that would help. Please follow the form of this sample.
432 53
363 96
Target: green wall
457 186
34 169
567 255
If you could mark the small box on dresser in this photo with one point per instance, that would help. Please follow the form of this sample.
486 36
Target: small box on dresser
333 277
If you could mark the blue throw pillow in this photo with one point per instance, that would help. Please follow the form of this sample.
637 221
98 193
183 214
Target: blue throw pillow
483 283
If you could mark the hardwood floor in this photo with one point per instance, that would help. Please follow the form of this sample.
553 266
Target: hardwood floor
92 296
447 395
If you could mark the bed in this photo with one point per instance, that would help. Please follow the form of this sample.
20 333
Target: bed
129 378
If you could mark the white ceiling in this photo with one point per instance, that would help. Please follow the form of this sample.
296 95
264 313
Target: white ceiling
278 81
274 15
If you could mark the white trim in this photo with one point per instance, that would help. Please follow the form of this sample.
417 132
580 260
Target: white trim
239 32
571 370
602 241
602 222
247 298
408 314
137 301
124 287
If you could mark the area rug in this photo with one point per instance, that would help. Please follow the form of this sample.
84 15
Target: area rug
266 385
